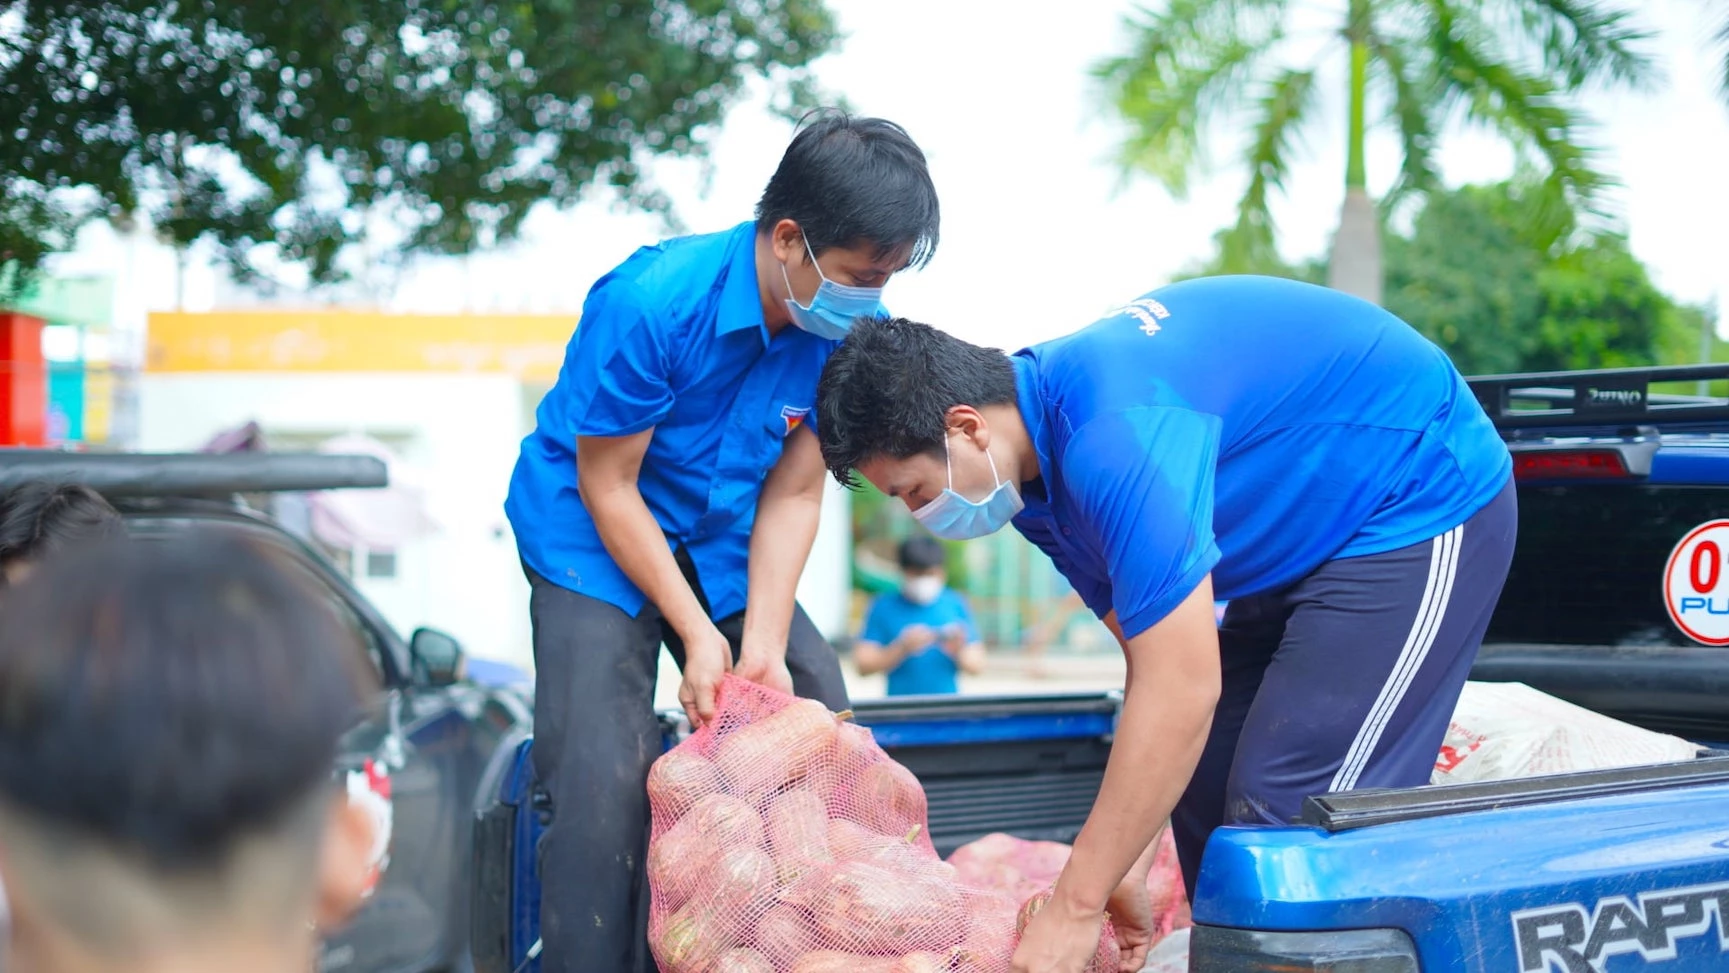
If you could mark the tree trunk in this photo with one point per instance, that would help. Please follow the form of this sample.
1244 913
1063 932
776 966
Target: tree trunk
1355 264
1355 267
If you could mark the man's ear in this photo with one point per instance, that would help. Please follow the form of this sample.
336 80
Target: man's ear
345 866
786 240
969 422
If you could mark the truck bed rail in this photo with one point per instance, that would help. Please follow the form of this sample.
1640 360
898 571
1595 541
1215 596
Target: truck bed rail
1361 809
1602 397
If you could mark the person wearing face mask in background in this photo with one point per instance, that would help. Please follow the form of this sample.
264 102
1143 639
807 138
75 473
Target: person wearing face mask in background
923 634
1298 452
670 490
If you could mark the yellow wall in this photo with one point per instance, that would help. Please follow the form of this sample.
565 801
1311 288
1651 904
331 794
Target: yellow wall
525 345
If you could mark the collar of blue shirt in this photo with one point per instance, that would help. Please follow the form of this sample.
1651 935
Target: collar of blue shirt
1032 408
740 297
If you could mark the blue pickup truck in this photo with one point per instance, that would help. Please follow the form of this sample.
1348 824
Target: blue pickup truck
1611 603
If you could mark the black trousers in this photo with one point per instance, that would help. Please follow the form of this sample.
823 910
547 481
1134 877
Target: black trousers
1345 680
595 735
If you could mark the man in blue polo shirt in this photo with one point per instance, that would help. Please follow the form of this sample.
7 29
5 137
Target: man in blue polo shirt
670 493
1300 453
923 635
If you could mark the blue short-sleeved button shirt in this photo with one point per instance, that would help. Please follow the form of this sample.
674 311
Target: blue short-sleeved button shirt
927 670
674 339
1249 427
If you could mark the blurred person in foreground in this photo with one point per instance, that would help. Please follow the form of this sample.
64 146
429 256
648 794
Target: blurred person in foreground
1298 452
40 517
670 493
169 722
923 634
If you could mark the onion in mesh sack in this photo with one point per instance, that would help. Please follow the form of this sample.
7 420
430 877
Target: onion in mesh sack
991 935
888 799
835 961
738 883
798 833
758 758
714 823
850 841
854 747
870 909
680 778
742 961
691 939
922 962
783 934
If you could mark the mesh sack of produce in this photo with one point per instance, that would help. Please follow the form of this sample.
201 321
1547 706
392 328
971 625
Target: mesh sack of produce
786 841
1023 868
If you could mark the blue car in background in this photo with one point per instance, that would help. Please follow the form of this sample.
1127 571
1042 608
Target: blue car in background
1618 600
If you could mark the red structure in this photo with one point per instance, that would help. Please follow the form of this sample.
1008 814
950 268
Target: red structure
23 381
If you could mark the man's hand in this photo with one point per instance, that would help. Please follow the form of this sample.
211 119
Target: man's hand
707 660
764 666
1062 938
954 638
1131 913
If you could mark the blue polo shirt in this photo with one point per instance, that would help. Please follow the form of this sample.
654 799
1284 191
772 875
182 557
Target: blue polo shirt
927 670
673 339
1249 427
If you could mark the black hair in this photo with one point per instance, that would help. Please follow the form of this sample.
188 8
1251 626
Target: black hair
921 553
851 182
39 517
887 390
168 697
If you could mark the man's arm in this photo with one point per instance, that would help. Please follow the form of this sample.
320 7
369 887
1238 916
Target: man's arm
786 521
1150 519
1166 716
608 485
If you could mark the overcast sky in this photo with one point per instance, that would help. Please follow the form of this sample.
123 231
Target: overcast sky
1040 234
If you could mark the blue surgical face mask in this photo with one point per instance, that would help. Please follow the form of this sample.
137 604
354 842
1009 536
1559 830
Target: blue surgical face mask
834 307
954 517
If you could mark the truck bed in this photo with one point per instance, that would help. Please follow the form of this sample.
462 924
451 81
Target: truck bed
1031 766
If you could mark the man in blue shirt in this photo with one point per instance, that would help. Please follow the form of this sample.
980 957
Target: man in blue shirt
1302 454
670 493
922 634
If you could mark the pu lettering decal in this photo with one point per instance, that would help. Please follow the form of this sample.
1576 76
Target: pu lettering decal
794 416
1147 311
1567 939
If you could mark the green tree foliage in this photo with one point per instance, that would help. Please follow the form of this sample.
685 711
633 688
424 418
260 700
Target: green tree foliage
1415 66
1722 46
277 123
1500 296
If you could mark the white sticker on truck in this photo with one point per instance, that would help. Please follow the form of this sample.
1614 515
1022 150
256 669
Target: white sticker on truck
1696 583
1569 939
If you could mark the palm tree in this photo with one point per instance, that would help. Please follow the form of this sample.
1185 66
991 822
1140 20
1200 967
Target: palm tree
1723 49
1502 64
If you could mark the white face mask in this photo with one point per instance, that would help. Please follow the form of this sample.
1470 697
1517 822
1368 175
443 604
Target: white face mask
923 590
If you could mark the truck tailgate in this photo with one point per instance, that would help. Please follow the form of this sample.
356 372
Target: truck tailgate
1597 884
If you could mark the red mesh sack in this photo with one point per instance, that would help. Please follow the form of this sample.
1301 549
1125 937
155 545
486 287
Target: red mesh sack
1022 868
785 841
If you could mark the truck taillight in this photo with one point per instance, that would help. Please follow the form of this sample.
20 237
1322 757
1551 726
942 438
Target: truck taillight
1213 949
1569 464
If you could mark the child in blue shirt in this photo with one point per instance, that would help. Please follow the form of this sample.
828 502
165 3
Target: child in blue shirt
923 634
